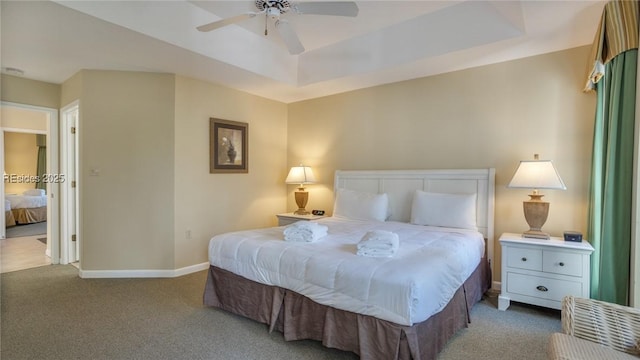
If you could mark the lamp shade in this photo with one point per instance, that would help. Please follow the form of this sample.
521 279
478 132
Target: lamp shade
300 175
537 174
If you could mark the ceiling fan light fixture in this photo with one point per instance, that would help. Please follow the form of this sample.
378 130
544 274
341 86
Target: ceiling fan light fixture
273 13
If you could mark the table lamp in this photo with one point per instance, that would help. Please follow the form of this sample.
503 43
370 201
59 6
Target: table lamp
536 174
301 175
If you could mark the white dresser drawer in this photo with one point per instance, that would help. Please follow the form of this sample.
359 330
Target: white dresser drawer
524 258
541 287
560 262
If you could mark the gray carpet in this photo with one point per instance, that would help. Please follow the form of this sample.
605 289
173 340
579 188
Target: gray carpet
27 230
521 332
50 313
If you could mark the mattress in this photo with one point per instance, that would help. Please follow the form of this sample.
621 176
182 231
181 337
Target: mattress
26 201
417 282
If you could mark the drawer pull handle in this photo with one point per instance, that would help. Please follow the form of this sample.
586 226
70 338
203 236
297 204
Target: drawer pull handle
524 259
541 288
561 264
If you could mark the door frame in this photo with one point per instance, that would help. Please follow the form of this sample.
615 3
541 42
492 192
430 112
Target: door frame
53 154
65 220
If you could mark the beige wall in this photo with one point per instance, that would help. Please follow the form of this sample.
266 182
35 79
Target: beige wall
127 135
208 204
154 204
20 159
32 92
71 90
491 116
24 119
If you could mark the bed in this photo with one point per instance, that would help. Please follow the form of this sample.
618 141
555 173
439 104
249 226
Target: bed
403 307
10 220
28 208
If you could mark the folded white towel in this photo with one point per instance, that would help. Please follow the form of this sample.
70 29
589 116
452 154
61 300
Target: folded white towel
305 231
378 243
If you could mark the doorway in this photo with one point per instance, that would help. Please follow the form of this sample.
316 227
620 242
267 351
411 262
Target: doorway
36 212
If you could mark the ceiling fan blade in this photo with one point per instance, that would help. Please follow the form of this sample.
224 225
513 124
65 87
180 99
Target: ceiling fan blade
224 22
335 8
289 37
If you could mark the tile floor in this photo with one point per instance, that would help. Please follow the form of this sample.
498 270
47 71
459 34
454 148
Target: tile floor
22 253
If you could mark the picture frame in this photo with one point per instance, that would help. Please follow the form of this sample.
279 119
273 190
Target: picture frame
228 146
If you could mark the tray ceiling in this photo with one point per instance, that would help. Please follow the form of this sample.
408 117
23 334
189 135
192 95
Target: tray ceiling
388 41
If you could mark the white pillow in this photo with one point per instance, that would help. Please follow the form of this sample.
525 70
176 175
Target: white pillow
34 192
447 210
359 205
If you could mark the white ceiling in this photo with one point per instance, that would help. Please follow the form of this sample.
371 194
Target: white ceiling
388 41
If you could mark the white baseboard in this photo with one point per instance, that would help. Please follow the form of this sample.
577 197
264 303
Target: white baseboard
191 269
112 274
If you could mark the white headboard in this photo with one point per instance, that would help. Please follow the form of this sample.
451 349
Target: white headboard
400 186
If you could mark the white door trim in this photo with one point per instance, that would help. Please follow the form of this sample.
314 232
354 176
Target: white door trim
69 220
24 131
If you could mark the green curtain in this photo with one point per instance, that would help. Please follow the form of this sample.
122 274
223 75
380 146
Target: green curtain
611 180
41 166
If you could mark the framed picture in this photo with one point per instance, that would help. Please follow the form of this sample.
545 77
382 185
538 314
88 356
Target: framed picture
228 146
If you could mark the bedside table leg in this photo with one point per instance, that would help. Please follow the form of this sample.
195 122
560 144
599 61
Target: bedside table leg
503 302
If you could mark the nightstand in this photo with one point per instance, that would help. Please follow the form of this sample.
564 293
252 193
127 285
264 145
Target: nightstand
290 218
541 272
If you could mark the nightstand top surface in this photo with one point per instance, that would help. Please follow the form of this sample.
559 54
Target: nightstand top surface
301 217
514 238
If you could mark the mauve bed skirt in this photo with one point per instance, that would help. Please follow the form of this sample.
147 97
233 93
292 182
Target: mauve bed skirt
299 317
9 219
30 215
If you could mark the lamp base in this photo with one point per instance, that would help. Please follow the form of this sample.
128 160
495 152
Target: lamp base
535 212
536 235
301 197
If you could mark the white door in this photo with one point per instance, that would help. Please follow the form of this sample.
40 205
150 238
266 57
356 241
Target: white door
69 199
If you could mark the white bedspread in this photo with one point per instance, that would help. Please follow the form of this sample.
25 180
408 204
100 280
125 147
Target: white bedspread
26 201
417 282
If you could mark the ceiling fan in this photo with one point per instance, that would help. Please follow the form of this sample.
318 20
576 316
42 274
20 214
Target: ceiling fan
272 9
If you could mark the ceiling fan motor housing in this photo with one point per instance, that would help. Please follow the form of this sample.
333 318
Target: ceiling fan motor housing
273 6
